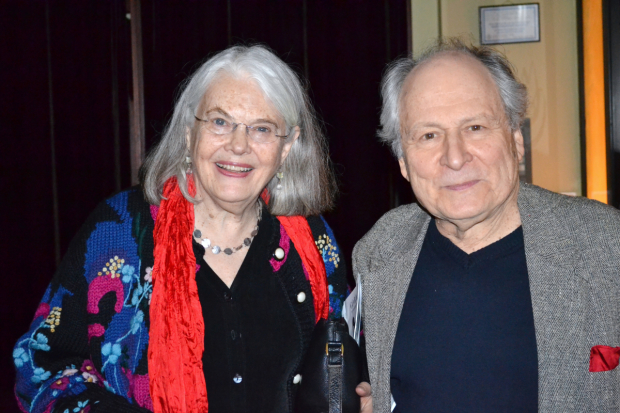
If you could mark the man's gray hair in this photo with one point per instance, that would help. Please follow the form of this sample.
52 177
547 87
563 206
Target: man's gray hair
512 92
308 185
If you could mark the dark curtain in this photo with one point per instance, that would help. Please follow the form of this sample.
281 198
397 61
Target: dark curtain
65 68
65 78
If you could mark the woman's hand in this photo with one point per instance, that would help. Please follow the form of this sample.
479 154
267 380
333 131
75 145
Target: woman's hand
364 391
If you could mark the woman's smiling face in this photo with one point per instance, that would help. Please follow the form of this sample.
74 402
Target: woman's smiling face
233 169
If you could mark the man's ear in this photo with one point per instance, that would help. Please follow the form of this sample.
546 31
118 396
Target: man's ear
403 168
517 137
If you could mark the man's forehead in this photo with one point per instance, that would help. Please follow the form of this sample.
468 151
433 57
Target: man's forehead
446 73
448 79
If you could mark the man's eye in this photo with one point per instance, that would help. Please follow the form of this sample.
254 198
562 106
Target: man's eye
475 128
428 136
219 122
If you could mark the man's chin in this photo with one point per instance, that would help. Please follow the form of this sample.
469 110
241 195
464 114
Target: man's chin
462 214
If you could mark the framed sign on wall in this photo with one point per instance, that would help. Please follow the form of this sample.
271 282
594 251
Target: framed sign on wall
510 24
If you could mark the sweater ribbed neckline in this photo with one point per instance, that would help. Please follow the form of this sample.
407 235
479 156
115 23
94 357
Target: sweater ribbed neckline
502 247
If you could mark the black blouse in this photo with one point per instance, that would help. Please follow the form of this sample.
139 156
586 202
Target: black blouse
253 335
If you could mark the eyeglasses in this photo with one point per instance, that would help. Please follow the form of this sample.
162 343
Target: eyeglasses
262 132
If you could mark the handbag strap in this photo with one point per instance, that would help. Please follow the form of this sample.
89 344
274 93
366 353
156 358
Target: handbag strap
334 351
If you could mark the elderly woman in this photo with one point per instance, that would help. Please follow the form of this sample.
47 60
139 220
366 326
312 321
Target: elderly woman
201 290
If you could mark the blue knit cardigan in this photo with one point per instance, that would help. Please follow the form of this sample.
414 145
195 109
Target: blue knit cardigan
86 350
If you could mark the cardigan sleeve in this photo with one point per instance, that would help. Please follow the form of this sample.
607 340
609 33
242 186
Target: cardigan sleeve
335 266
56 368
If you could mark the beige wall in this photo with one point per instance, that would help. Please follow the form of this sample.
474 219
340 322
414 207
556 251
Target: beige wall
549 69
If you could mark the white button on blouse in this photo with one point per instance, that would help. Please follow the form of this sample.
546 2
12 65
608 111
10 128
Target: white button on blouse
279 254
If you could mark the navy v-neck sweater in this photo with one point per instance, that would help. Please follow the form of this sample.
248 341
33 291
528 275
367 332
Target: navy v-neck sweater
465 340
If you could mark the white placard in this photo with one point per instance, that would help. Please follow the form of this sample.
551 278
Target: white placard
349 310
509 24
352 312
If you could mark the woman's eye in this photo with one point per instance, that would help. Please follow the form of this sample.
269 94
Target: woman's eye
428 136
262 129
219 122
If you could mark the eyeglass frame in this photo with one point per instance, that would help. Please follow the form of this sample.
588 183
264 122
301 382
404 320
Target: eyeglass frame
247 128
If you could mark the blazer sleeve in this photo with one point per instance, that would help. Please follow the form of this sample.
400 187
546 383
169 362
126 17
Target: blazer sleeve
55 368
335 266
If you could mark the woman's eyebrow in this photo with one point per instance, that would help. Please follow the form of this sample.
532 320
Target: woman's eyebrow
266 120
218 110
224 113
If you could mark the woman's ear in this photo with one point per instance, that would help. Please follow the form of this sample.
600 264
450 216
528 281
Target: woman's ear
188 138
288 144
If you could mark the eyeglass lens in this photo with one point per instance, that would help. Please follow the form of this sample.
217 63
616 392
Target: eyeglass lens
260 132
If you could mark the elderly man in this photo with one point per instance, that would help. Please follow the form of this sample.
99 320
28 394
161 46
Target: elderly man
487 295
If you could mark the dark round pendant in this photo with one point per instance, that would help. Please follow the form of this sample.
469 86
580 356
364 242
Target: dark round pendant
228 251
197 233
247 242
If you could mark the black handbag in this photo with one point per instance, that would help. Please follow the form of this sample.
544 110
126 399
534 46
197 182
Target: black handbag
333 367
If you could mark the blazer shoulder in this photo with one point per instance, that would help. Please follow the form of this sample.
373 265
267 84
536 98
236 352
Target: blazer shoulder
405 215
592 224
534 197
392 234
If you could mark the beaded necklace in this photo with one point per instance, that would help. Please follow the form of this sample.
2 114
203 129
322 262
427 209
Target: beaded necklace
206 242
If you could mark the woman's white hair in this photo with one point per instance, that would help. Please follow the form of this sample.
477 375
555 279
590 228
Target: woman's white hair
308 186
512 92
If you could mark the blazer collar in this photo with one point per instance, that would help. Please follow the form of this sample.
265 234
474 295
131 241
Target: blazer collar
544 231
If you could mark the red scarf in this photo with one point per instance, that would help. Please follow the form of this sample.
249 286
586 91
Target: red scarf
176 335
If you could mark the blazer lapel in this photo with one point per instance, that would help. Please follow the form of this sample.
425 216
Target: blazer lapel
385 275
397 274
559 294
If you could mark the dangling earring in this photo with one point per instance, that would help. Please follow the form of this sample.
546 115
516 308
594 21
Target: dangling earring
188 165
279 175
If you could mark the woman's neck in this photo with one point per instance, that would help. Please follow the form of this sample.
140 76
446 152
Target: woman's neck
223 224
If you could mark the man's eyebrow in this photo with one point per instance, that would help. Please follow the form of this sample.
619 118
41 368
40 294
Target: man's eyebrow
419 125
482 116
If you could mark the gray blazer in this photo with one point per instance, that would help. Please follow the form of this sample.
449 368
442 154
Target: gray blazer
572 251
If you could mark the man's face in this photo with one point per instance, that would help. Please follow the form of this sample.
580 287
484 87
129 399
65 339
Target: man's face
459 153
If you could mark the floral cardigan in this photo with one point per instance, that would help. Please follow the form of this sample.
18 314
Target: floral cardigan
86 350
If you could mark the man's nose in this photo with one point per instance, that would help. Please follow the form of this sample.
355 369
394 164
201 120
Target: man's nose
455 151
